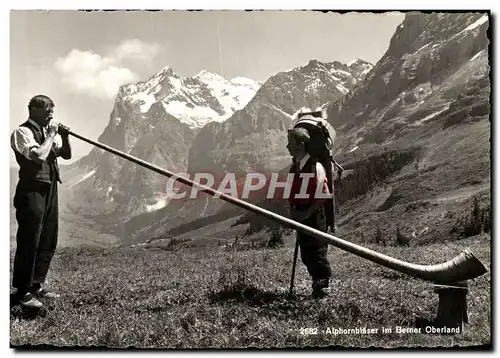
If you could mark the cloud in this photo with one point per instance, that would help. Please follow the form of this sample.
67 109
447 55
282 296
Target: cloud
136 50
101 76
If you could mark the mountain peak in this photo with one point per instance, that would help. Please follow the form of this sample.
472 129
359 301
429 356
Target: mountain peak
314 62
195 100
358 61
350 63
166 69
360 67
204 74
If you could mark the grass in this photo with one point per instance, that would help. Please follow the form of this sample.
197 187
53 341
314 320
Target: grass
214 298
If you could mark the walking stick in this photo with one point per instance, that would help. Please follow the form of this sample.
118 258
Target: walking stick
295 253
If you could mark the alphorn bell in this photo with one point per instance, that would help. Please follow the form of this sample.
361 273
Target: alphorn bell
463 267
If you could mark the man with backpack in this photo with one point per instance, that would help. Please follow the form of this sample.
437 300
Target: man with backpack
310 209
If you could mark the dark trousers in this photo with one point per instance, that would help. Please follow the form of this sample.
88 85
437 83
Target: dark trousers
313 251
37 217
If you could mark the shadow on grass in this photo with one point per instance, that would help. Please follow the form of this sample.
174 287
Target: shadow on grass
276 304
246 294
16 311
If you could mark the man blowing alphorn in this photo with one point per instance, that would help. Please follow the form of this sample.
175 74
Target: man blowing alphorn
37 144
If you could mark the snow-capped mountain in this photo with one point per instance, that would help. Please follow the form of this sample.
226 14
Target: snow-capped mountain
196 100
254 138
155 120
257 132
319 74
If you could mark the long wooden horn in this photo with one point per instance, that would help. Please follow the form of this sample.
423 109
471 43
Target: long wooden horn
463 267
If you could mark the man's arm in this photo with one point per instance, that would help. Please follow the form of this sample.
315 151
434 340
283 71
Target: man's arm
40 154
62 146
23 142
64 150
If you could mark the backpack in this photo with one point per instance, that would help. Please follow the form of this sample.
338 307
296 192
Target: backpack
321 148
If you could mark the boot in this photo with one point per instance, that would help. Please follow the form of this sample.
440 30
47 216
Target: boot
320 288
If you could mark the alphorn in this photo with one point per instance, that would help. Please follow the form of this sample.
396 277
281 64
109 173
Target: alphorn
463 267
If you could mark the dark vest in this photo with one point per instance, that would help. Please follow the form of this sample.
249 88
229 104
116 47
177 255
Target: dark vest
31 172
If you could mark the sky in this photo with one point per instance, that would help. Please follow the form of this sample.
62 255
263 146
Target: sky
80 59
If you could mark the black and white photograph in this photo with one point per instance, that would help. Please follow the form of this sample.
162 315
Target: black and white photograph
240 179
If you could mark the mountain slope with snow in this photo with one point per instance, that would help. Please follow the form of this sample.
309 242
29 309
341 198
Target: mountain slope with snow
255 135
254 138
154 120
195 100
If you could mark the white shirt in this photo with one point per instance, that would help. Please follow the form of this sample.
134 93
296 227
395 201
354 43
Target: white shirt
320 170
22 140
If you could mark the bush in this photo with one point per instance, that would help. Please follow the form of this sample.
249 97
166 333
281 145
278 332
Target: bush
379 237
455 118
487 220
276 239
476 222
480 110
401 240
